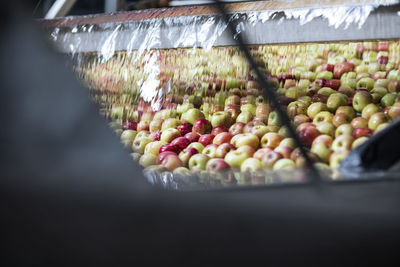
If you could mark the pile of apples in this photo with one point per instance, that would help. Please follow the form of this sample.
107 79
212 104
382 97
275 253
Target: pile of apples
207 114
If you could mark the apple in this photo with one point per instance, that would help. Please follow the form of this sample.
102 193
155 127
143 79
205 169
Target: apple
221 118
359 122
170 123
369 110
316 108
322 150
283 164
273 119
394 111
285 151
300 118
359 141
192 136
320 82
323 116
186 154
337 157
148 160
129 125
217 165
336 100
143 126
327 75
376 119
271 140
236 128
198 162
184 128
181 142
163 155
128 135
295 108
244 117
260 130
171 162
304 125
341 68
326 128
206 139
219 129
233 110
246 139
232 100
319 98
270 158
198 146
360 132
249 126
263 110
169 134
250 165
394 86
259 154
342 142
192 115
388 100
201 126
156 125
360 100
247 149
235 158
154 147
307 135
349 91
327 67
326 91
367 83
139 144
323 138
156 136
223 149
169 147
221 138
210 150
347 110
346 129
182 108
339 119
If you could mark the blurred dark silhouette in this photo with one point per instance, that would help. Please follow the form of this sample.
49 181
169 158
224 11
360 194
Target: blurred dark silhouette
70 194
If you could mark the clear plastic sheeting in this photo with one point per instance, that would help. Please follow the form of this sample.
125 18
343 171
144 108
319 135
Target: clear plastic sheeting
180 85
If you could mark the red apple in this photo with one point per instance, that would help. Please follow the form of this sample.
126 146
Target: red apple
202 126
206 139
163 155
269 159
223 149
236 128
285 151
217 165
181 142
307 135
186 154
259 154
184 128
359 122
219 129
300 118
193 137
328 67
171 162
247 149
156 136
341 68
221 138
169 147
359 132
233 110
334 84
129 125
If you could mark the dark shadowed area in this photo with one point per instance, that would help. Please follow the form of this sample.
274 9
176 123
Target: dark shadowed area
71 195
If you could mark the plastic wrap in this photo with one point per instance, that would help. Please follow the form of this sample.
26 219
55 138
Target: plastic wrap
137 68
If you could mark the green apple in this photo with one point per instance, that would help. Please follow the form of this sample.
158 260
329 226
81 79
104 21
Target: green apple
326 91
316 108
326 128
388 100
376 119
192 115
337 157
352 83
128 135
248 139
197 145
273 119
198 162
182 108
322 150
139 144
154 147
382 83
170 123
360 100
249 107
289 142
369 110
327 75
344 129
393 75
148 160
221 118
323 116
359 141
250 165
244 117
336 100
169 134
284 164
366 83
235 158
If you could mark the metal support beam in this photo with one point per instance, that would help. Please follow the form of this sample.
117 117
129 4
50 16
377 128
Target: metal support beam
60 9
114 5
